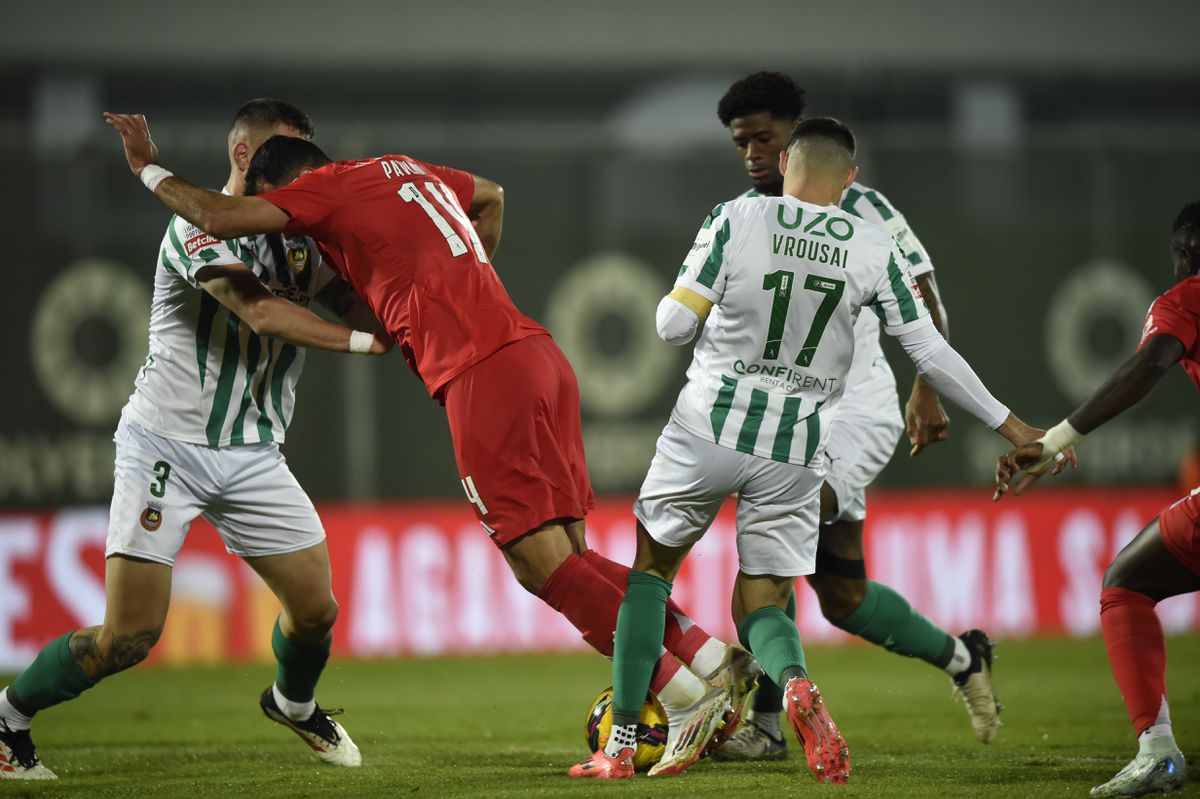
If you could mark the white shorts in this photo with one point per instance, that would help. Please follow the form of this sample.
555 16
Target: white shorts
778 508
862 439
247 492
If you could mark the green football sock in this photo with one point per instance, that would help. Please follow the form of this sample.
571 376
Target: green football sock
52 677
638 643
769 696
885 618
299 666
775 641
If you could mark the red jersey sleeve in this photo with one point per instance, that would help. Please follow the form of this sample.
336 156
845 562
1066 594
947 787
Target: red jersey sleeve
308 200
1176 314
461 183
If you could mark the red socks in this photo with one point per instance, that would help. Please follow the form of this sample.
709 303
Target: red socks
682 636
587 599
1136 652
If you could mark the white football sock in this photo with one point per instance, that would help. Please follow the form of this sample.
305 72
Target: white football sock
15 719
768 723
708 658
296 711
622 736
1158 739
683 690
960 661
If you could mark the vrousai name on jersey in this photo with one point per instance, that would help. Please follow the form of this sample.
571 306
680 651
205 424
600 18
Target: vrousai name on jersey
799 247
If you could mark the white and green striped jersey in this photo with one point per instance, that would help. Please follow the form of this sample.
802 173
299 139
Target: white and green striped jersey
787 280
869 369
208 378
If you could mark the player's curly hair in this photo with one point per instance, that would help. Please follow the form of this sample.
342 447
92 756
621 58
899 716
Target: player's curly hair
774 92
267 112
279 159
1189 217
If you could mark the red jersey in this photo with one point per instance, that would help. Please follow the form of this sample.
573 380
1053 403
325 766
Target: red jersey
1177 313
398 231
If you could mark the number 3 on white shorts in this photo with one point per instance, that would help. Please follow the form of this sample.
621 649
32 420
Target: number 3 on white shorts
472 495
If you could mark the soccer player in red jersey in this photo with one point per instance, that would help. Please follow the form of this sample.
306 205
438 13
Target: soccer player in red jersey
415 240
1164 559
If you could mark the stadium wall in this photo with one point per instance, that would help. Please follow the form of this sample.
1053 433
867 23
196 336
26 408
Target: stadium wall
422 578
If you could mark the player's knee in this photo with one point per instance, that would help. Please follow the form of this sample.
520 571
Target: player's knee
1114 575
316 621
838 597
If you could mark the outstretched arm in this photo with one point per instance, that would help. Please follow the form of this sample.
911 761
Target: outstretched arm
240 290
1125 388
217 214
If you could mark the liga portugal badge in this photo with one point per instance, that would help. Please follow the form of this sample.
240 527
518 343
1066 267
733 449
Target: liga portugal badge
152 516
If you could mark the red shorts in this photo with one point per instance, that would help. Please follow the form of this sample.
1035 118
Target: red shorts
1179 526
514 419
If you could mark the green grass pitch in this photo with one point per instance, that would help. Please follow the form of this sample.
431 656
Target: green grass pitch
510 727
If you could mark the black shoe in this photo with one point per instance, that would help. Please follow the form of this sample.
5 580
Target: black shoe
975 686
327 739
18 756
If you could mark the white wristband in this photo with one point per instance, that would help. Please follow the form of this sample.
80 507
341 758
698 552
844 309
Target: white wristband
1059 437
153 174
361 341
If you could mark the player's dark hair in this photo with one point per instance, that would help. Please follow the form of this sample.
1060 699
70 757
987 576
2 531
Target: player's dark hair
826 129
1189 217
267 112
279 159
773 92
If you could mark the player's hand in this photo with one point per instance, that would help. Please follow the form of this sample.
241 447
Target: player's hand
925 418
381 346
1032 460
135 135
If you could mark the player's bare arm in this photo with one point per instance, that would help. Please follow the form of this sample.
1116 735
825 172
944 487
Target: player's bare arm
340 299
220 215
240 290
487 213
1126 387
924 417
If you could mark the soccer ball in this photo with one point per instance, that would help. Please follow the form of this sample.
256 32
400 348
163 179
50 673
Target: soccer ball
651 729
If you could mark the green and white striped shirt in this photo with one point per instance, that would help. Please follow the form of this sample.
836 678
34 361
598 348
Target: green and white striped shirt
208 378
787 280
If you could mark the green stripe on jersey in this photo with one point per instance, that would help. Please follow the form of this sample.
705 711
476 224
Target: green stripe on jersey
748 437
914 258
287 354
852 195
183 256
204 329
253 352
229 370
721 406
782 450
260 400
908 306
712 267
885 211
813 433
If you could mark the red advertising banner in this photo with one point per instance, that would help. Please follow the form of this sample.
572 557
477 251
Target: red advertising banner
424 578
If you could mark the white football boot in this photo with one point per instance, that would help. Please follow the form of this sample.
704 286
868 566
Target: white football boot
1161 773
327 739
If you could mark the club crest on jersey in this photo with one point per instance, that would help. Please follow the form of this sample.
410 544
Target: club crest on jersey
297 257
152 517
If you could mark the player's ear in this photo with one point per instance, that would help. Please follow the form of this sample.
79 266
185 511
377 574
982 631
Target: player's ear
783 160
850 178
242 155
